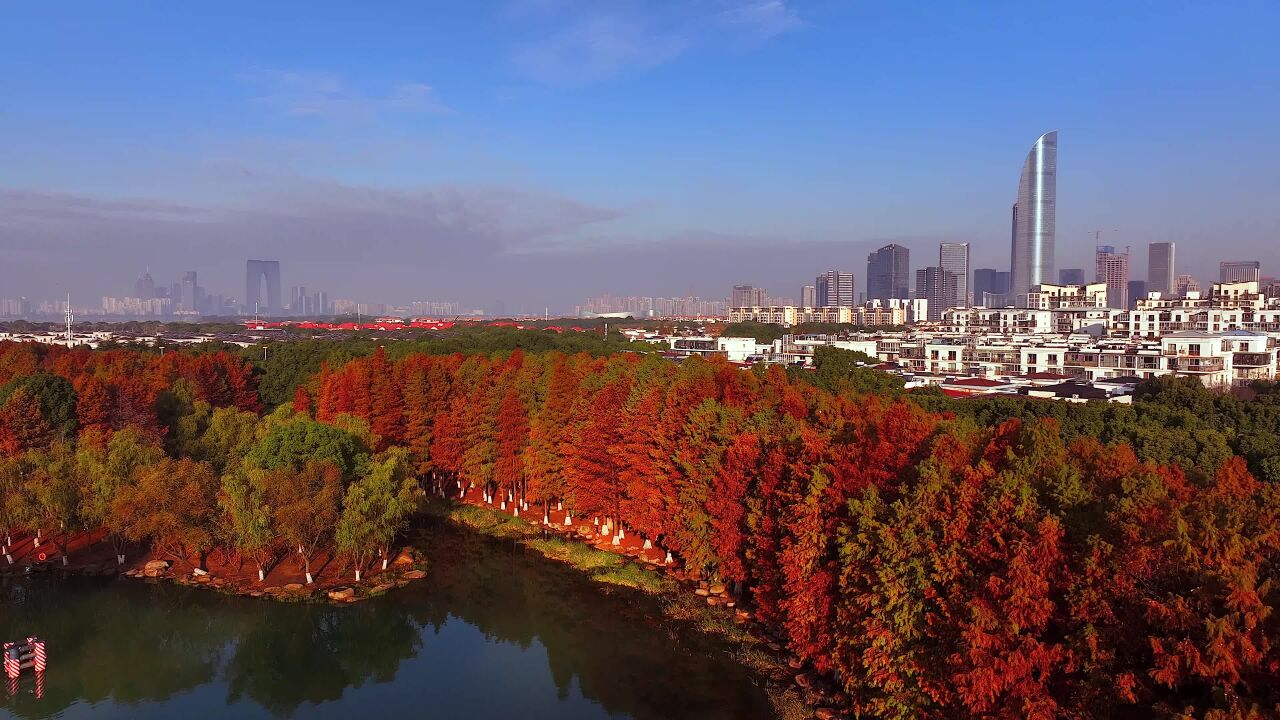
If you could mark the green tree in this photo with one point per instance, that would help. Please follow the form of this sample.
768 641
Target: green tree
56 493
55 395
300 440
376 508
249 525
105 471
174 505
305 506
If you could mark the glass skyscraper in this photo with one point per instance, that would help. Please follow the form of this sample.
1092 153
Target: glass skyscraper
887 273
1034 218
1160 268
834 289
954 258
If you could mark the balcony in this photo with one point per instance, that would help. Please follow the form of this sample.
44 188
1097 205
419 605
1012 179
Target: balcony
1188 364
1247 359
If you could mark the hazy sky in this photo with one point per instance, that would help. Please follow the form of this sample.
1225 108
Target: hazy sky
537 151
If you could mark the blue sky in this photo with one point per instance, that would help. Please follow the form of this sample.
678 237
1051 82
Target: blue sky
538 151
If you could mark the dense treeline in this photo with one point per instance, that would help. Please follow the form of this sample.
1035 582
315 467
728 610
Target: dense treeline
940 567
942 563
171 450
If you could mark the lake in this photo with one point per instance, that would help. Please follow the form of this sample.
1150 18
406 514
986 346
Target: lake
493 632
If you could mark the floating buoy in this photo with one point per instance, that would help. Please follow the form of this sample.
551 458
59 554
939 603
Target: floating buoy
42 557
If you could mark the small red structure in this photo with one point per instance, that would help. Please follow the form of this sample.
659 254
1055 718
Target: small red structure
29 653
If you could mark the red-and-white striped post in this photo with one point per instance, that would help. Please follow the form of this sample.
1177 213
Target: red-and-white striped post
42 657
11 662
39 684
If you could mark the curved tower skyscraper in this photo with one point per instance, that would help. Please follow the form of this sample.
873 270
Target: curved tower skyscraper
1034 218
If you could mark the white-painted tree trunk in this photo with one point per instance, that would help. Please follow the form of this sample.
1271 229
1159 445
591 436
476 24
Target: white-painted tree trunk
568 520
119 559
357 576
310 580
384 563
261 575
64 561
8 557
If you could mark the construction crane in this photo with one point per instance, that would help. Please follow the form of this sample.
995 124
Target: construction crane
1097 234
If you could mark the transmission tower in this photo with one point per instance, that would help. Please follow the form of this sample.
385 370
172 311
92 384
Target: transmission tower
70 317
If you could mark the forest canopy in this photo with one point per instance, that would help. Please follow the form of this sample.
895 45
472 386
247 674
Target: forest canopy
943 558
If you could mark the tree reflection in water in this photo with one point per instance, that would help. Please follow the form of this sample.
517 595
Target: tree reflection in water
494 630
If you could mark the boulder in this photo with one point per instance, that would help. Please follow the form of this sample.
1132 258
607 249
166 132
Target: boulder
414 575
293 587
341 594
156 568
702 592
717 589
406 557
382 588
827 714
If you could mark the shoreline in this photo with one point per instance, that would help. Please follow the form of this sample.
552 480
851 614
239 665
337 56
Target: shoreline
684 600
94 558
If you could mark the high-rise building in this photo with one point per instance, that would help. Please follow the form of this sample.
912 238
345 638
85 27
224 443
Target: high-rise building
748 296
1113 269
1239 271
938 286
990 286
298 301
1186 284
145 287
256 271
808 296
888 273
1160 268
190 292
954 258
1137 291
1071 276
320 304
834 289
1035 217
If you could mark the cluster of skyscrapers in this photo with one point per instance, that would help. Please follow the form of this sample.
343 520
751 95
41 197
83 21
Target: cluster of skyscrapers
262 297
952 282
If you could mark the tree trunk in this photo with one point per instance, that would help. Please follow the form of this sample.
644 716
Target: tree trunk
261 575
357 574
306 566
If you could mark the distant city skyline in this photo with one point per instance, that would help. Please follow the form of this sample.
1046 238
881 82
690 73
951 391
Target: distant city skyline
494 153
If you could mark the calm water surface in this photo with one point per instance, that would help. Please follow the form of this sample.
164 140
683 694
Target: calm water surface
494 632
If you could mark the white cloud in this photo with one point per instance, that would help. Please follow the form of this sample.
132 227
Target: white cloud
330 96
577 42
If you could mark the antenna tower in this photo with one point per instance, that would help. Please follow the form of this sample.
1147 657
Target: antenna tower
70 317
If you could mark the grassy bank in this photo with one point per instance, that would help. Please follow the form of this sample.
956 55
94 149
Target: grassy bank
612 569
